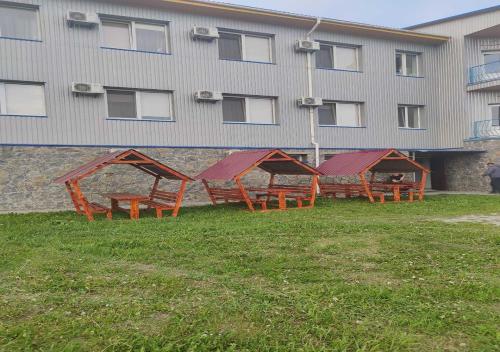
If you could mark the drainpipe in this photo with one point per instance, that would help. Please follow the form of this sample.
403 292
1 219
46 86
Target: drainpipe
310 87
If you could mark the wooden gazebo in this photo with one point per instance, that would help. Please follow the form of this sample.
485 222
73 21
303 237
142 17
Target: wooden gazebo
359 164
275 162
160 200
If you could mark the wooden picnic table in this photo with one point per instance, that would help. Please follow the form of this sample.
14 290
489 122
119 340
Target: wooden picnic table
134 200
280 193
395 188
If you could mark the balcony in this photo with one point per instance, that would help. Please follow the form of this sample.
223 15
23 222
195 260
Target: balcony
487 129
485 77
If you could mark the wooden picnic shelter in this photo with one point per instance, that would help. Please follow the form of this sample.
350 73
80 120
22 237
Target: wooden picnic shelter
386 161
157 199
275 162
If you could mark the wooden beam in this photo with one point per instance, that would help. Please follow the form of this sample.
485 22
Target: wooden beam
180 196
367 188
244 194
207 187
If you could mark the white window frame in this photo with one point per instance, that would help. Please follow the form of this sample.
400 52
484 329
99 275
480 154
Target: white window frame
243 45
335 60
403 63
489 52
36 10
358 108
419 116
133 35
247 109
3 98
138 106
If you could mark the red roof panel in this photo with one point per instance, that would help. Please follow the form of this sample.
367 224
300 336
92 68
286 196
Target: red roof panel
351 163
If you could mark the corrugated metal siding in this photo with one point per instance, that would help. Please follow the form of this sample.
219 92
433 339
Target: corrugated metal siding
74 54
457 109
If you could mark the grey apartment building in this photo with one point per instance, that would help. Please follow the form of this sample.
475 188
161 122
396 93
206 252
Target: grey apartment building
188 82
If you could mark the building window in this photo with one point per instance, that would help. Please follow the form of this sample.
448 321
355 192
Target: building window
328 156
338 57
133 35
303 158
245 47
409 116
21 99
407 64
256 110
340 114
141 105
19 22
495 115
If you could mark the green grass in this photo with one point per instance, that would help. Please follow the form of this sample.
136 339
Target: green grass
345 276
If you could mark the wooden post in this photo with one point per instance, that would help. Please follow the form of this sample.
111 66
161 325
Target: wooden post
271 183
423 182
178 201
81 199
367 188
314 188
207 187
74 199
244 194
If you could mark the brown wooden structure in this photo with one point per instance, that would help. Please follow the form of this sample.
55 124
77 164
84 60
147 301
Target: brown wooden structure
275 162
373 162
158 199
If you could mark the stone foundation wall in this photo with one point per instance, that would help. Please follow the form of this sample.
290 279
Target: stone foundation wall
463 172
26 175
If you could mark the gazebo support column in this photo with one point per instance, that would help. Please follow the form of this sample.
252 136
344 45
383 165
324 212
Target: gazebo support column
207 187
180 196
81 200
244 194
74 198
423 182
314 190
367 187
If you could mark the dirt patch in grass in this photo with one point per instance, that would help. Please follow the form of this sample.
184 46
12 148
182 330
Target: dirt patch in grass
486 219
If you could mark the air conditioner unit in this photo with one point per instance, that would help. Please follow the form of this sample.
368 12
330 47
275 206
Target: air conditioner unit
204 33
82 18
307 46
87 88
206 95
310 102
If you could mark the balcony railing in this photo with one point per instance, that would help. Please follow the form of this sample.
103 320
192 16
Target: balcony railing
487 129
484 73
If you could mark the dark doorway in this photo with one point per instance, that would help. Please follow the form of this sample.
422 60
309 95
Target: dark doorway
438 174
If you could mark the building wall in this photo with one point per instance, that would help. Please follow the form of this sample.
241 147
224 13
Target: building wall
69 54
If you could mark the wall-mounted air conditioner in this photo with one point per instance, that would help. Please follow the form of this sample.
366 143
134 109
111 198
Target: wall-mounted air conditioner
310 102
82 18
204 33
307 46
206 95
87 88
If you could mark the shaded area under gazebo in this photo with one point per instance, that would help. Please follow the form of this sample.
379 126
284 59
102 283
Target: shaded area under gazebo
158 199
358 164
275 162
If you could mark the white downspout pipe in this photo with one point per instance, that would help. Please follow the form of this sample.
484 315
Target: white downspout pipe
311 92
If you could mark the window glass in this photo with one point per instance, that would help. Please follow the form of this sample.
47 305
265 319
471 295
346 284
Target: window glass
257 49
412 112
300 157
490 57
24 99
230 46
233 109
411 65
116 35
151 38
156 105
346 58
324 57
399 63
260 110
16 22
121 104
401 116
495 115
347 114
326 114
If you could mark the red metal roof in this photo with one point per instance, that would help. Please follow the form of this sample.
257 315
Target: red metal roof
239 162
357 162
147 164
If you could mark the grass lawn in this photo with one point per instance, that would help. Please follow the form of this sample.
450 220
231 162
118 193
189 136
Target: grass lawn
345 276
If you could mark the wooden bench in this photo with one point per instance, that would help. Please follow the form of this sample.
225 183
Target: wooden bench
161 201
83 206
349 190
233 195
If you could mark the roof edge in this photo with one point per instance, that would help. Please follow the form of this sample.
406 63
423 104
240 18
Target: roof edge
454 17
